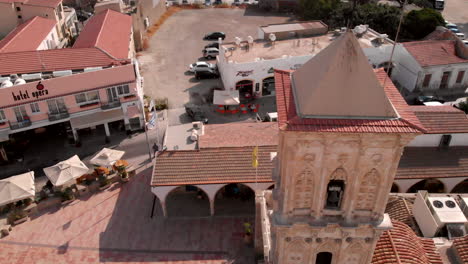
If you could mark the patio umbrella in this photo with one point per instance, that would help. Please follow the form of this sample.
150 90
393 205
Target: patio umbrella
66 171
17 188
107 157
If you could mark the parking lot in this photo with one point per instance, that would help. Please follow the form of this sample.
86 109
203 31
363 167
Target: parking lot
179 43
456 12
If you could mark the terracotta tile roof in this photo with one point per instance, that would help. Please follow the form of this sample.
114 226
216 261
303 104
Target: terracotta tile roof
430 162
45 3
441 119
289 120
401 209
55 60
400 245
212 165
461 247
434 52
239 135
108 30
27 36
61 86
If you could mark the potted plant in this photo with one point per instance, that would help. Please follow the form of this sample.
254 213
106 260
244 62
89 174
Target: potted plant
18 216
121 167
104 182
67 196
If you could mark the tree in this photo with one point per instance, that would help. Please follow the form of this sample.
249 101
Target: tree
419 23
420 3
317 9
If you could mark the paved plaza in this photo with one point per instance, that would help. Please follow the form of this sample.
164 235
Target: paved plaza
115 226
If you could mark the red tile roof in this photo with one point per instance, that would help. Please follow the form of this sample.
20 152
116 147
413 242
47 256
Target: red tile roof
55 60
61 86
400 245
211 166
108 30
431 162
401 209
434 52
289 120
441 119
12 1
45 3
27 36
239 135
461 248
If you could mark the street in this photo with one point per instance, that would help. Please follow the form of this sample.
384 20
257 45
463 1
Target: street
456 11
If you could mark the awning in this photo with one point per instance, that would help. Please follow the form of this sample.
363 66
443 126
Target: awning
133 111
95 119
107 157
66 171
226 97
17 188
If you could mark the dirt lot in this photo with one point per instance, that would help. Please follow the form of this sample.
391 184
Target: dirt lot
179 43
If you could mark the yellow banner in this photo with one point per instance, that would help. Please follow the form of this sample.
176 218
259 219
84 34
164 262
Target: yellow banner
255 157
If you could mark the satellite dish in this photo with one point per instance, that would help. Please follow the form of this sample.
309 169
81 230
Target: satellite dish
250 39
238 41
272 37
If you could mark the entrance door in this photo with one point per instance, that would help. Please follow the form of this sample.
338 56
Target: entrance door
444 81
20 113
245 87
112 95
324 258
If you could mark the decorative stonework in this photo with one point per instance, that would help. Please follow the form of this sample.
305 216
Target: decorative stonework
303 189
339 174
368 191
297 252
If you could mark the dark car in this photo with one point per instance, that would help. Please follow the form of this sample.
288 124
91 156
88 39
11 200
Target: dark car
212 45
206 75
214 36
196 113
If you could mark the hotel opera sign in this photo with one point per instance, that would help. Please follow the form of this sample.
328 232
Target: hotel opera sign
23 95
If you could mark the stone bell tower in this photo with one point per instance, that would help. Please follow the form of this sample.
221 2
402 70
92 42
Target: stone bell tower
341 137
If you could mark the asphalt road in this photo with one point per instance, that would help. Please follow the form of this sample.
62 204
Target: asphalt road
179 43
456 11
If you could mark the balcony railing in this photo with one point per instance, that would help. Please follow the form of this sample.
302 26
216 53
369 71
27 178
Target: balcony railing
110 105
21 124
58 116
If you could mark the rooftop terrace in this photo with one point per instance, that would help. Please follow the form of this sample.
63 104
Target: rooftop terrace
266 50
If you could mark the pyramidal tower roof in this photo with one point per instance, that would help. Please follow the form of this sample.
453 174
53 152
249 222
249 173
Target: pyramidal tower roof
340 83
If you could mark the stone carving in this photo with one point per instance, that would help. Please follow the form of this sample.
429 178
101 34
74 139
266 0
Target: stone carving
353 254
297 252
303 189
368 190
377 159
339 174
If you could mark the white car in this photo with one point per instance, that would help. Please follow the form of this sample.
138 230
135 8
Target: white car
202 66
465 42
460 35
210 53
451 25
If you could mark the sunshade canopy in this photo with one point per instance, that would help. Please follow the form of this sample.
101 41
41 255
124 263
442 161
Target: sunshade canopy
17 188
66 171
107 157
226 97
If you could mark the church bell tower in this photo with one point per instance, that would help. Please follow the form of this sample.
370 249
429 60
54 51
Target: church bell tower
340 141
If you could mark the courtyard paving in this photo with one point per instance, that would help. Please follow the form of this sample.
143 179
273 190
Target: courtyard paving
115 226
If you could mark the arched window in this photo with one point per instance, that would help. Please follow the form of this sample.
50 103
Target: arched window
335 190
324 258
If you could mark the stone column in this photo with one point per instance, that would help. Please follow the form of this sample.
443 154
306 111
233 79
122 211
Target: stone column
75 135
106 128
212 206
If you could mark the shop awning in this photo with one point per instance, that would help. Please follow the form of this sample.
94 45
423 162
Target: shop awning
226 97
17 188
66 171
96 118
107 157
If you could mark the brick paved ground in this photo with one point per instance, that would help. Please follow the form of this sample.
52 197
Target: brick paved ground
115 226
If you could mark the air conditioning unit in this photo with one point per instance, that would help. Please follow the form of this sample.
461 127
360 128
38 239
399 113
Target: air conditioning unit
2 79
62 73
32 76
433 213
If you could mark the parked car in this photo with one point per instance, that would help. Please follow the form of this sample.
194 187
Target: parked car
210 53
454 30
218 2
206 75
466 42
236 2
195 113
202 66
212 45
214 36
451 25
207 2
423 100
460 35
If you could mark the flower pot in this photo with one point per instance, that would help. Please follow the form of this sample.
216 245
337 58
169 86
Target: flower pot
21 220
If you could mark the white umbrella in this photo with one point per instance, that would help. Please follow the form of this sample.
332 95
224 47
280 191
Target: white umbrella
17 188
107 157
66 171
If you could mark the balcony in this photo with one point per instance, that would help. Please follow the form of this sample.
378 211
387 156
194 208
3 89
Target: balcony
58 116
21 124
110 105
